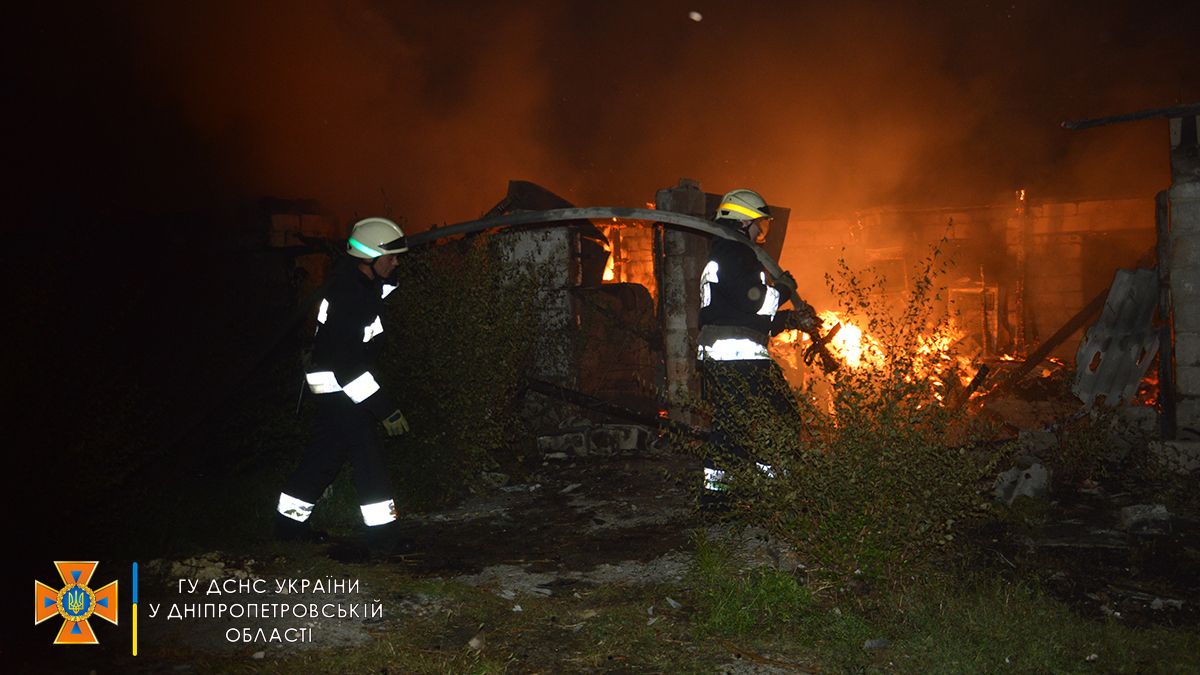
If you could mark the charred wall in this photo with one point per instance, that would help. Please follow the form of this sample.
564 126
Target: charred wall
1017 271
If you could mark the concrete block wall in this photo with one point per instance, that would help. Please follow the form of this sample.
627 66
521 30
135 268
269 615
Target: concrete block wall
1184 265
636 257
619 357
1107 215
683 257
548 252
1054 286
1061 240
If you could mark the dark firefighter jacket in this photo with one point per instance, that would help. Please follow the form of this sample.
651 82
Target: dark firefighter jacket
737 306
346 345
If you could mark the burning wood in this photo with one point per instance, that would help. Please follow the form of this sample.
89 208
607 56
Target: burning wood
935 358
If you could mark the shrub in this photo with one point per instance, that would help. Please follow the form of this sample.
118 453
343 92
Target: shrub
883 472
460 330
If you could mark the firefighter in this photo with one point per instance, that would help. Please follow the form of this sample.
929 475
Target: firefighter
349 399
739 311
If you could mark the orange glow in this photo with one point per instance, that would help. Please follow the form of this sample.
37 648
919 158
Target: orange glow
630 248
934 357
849 345
610 271
1147 391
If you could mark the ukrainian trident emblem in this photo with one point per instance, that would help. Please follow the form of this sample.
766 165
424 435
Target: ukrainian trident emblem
75 602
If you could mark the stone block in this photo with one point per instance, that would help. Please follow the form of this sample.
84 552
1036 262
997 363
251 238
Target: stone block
573 442
1146 519
599 439
1187 349
1186 192
1187 380
1185 253
1185 209
1057 209
1032 481
613 439
1187 317
1187 413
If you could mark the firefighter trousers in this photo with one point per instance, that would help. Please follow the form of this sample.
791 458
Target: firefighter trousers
741 393
341 430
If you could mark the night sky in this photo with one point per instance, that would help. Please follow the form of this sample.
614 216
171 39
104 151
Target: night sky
425 110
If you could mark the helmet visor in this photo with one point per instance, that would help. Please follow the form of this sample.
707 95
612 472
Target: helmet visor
397 245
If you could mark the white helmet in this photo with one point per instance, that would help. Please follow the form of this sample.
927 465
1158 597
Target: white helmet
374 237
746 207
743 204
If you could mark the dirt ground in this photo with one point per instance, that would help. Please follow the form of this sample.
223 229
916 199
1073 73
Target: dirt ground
577 524
578 538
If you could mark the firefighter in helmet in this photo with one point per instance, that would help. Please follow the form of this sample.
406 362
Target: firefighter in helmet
739 311
349 399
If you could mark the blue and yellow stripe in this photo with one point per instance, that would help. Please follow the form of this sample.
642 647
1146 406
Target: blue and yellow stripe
135 604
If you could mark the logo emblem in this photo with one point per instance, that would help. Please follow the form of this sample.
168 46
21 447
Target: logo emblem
75 602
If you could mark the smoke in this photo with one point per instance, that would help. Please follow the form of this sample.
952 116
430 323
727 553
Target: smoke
424 110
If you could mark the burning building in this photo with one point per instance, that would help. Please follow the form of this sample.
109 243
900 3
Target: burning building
1020 272
1026 276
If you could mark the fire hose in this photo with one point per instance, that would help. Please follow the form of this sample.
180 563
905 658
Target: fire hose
781 278
778 276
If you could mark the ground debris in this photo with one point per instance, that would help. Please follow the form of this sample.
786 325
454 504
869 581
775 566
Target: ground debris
760 664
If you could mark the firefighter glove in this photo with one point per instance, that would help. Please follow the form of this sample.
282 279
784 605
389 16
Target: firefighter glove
786 285
785 319
395 424
806 317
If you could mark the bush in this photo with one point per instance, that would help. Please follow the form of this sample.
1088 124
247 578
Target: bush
883 472
460 330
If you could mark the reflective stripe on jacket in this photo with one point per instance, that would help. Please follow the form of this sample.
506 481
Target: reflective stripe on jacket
349 322
736 304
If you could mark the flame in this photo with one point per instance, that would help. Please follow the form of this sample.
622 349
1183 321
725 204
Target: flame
610 265
934 358
630 249
849 344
